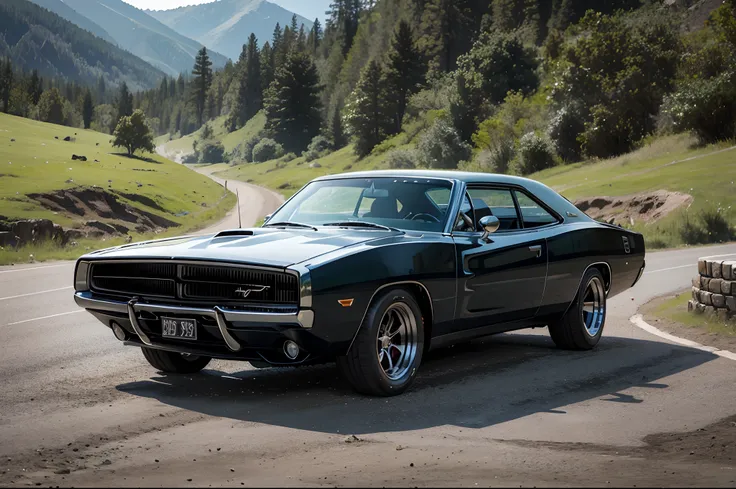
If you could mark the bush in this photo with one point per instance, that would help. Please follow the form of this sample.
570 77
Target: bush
244 151
564 131
318 148
441 147
211 151
402 159
289 157
712 228
535 154
267 149
705 107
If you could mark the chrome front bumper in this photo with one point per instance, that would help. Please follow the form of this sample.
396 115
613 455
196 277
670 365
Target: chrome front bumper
223 316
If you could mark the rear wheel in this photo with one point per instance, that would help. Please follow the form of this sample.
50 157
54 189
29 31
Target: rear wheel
175 363
582 326
387 351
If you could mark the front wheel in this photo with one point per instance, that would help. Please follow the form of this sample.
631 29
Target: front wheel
582 326
387 351
175 363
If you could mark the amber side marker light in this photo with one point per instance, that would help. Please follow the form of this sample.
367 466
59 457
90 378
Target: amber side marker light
346 302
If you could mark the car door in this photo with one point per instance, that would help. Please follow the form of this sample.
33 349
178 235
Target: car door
501 278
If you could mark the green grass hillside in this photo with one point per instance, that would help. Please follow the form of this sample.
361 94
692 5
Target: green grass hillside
34 164
670 163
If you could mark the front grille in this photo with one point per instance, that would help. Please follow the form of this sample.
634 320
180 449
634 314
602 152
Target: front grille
195 282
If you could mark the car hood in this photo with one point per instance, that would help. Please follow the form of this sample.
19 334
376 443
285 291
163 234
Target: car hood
268 247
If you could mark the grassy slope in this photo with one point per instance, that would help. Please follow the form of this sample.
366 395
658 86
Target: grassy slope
229 139
708 174
36 162
709 177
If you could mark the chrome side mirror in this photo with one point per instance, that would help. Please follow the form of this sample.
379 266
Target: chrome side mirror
490 225
265 219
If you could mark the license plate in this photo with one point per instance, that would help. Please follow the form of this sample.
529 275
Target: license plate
183 329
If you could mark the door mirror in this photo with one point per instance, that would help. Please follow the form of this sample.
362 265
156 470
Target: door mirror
265 219
490 225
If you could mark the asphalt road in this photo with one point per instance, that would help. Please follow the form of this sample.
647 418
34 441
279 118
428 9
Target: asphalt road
78 408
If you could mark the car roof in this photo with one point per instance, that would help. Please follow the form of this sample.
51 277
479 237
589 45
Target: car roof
547 195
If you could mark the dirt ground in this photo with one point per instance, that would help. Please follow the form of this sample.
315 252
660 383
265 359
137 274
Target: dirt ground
646 207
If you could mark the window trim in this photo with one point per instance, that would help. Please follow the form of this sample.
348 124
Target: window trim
559 220
512 189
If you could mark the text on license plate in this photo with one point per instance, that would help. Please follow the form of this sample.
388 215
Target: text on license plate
185 329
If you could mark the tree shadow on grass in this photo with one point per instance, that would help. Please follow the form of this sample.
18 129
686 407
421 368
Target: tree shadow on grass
474 385
137 157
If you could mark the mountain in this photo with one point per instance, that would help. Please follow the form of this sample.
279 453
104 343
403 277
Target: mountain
65 11
226 24
143 35
36 38
311 9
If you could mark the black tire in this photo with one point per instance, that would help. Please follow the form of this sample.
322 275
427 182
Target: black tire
571 332
362 366
174 363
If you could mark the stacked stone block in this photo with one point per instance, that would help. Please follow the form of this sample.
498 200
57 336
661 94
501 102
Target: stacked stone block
714 289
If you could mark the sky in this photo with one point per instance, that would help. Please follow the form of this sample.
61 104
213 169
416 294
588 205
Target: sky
310 9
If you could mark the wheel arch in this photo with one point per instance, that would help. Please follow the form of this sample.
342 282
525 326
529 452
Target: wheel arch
421 295
604 268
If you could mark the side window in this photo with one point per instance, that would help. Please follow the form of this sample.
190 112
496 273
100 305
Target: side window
534 215
495 202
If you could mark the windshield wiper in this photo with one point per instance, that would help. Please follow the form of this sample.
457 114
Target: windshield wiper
360 224
288 224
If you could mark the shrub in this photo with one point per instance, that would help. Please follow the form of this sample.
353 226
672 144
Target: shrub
211 151
705 107
564 130
712 228
244 151
402 159
716 226
267 149
535 154
289 157
318 148
441 147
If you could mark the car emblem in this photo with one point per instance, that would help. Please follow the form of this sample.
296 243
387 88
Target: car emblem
251 288
627 247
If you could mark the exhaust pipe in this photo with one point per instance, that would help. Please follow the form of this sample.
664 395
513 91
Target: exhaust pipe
118 331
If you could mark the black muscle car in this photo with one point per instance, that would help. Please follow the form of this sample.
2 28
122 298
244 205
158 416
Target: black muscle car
370 270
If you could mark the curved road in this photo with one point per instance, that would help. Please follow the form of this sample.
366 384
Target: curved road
80 409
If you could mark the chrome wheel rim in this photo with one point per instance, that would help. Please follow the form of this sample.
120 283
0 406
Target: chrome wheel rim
594 308
397 341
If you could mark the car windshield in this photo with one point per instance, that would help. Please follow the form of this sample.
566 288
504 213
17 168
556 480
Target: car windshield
417 204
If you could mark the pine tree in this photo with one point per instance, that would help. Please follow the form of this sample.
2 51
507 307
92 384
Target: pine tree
267 68
315 37
336 130
250 88
301 40
202 72
87 109
35 87
293 103
343 20
448 28
367 113
277 46
405 72
124 105
6 83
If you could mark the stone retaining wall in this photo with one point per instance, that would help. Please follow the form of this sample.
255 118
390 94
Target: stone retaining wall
714 289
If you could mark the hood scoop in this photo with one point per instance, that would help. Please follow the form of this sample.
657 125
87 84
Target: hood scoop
233 233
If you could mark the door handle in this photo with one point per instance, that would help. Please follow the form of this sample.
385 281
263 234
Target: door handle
536 250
